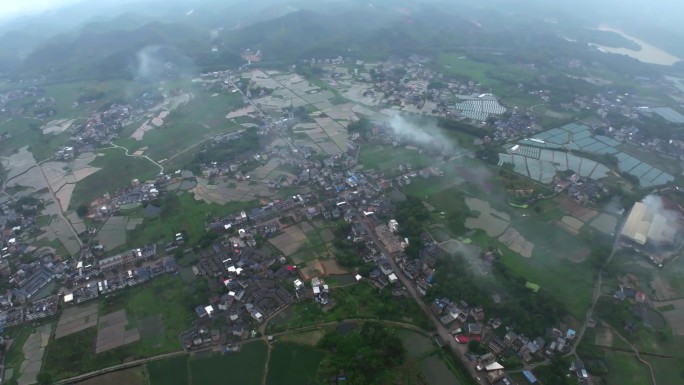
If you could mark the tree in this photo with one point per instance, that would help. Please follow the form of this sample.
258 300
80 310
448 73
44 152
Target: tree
82 211
44 378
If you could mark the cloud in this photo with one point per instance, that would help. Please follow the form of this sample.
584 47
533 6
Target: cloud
12 8
158 62
425 133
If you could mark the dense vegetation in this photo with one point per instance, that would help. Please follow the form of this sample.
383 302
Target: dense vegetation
367 355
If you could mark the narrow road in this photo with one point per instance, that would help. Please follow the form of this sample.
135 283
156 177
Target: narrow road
161 168
442 331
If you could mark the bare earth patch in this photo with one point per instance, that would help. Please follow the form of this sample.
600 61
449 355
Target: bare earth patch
331 267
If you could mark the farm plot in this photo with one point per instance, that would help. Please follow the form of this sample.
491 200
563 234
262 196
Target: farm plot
605 223
493 222
517 243
289 241
132 376
293 364
674 316
170 371
113 232
114 331
33 351
75 319
244 368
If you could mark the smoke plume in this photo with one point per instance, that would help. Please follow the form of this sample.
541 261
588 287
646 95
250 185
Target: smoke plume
425 134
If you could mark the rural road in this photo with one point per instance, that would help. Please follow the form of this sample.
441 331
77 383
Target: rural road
441 329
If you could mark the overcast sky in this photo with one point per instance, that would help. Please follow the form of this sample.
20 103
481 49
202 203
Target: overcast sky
12 8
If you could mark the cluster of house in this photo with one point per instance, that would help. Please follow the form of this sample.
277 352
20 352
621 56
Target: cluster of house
17 315
6 98
582 189
105 206
467 323
253 292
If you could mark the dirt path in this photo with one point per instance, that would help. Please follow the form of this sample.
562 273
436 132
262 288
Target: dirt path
161 168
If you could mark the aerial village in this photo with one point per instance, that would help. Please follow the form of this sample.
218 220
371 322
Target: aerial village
329 187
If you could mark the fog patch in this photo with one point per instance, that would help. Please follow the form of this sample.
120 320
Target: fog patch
159 62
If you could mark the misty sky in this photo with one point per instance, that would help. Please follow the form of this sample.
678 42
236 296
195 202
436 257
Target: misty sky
11 8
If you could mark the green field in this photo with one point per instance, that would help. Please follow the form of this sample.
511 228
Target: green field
180 214
502 77
243 368
170 371
187 125
117 171
293 364
27 132
625 369
166 296
14 356
389 158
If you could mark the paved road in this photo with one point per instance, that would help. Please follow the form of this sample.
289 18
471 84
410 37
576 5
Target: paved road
458 349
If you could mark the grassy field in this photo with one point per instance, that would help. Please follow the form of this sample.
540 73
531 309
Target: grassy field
570 283
244 368
117 171
15 356
184 214
170 371
625 369
27 132
188 125
501 77
388 158
166 296
293 364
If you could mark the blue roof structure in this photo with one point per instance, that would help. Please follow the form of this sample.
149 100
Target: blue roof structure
529 377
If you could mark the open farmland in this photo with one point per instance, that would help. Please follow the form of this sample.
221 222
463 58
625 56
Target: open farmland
169 371
132 376
244 368
117 171
293 364
75 319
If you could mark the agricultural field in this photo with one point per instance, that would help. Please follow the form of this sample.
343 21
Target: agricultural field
388 159
625 369
179 213
117 171
423 352
169 371
293 364
188 125
160 310
244 368
132 376
503 78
